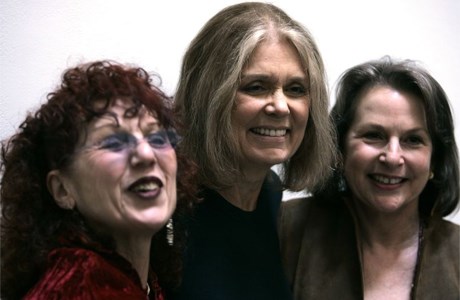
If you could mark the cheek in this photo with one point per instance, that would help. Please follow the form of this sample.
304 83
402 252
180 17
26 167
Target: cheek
238 117
423 162
103 171
95 179
300 112
168 164
246 109
108 165
356 157
348 168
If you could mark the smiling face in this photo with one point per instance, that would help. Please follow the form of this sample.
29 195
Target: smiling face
388 151
272 106
123 178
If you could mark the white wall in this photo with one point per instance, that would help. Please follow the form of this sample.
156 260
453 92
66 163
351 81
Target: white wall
39 39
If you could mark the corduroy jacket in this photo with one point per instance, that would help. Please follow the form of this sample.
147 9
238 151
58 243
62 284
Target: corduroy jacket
320 254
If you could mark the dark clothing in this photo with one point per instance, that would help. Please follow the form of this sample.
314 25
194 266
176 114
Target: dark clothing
76 273
234 254
321 258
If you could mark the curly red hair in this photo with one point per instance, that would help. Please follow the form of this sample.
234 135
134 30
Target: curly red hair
32 224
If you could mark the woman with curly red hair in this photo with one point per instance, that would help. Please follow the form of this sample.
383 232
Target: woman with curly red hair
88 191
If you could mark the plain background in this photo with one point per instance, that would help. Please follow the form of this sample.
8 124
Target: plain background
39 39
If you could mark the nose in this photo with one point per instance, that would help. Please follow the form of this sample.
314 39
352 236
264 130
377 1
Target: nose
392 154
278 104
143 154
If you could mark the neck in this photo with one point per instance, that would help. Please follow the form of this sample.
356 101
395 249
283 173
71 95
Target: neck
389 252
389 230
245 192
137 252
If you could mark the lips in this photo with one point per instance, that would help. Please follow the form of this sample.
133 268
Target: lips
269 132
146 187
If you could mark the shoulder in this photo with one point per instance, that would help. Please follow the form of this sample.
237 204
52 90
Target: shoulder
80 273
299 210
449 226
295 210
75 259
295 204
294 217
444 232
314 215
439 270
441 245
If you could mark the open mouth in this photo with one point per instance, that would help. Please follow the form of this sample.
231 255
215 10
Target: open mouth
146 187
269 132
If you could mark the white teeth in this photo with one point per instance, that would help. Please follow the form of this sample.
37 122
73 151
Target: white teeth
145 187
386 180
270 132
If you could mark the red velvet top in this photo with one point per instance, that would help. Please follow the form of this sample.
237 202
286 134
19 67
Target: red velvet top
76 273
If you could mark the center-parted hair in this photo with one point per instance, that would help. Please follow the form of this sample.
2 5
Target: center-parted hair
209 80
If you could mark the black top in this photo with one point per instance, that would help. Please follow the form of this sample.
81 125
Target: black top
234 254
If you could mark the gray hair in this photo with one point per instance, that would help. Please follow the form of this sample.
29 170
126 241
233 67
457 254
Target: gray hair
209 80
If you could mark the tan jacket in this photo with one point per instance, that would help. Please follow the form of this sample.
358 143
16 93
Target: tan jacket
321 259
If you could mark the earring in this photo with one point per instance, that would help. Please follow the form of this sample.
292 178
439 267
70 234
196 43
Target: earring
342 186
170 232
431 175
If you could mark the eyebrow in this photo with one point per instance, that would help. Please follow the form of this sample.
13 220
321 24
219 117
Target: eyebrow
107 120
256 76
150 126
265 77
380 127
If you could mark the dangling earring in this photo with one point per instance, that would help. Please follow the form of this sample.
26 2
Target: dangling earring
431 175
170 232
342 186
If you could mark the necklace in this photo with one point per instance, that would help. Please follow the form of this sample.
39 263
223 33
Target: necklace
417 262
148 289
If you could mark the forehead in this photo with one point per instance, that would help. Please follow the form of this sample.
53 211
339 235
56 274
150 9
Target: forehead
384 103
273 51
123 112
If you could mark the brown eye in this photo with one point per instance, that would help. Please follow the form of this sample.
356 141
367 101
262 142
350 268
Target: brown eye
254 88
296 90
373 136
414 140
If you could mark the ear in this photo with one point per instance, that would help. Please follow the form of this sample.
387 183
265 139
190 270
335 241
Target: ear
60 189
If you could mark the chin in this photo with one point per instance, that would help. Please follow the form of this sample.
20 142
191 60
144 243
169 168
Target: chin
274 159
389 207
